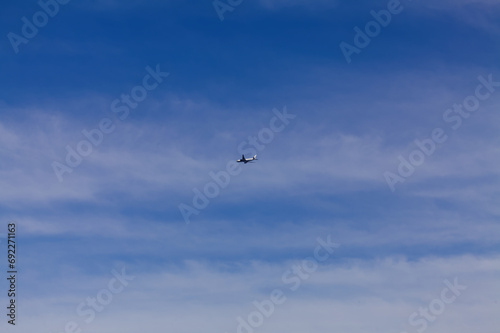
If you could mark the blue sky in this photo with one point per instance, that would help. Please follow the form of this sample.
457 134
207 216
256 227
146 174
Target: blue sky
323 175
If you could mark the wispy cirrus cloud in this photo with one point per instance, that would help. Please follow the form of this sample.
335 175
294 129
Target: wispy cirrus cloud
352 296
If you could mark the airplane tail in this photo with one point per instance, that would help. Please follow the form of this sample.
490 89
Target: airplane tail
255 156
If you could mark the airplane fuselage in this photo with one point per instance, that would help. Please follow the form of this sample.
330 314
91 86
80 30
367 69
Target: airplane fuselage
246 160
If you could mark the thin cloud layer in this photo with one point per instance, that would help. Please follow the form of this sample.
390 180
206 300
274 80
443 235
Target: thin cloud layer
108 226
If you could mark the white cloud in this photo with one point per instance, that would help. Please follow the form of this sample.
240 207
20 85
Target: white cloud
354 297
477 13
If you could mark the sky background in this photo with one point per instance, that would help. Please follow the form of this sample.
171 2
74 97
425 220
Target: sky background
322 176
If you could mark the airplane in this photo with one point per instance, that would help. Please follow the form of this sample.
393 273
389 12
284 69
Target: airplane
246 160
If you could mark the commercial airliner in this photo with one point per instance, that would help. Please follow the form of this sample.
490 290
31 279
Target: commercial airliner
246 160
